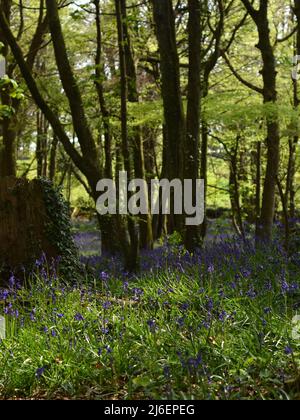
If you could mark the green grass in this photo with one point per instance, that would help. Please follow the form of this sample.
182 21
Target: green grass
180 335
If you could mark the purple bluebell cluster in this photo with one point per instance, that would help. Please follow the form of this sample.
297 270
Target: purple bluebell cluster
173 321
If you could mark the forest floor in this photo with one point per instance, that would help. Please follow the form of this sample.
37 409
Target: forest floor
217 325
88 238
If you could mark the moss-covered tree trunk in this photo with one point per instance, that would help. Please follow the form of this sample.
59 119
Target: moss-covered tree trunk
34 222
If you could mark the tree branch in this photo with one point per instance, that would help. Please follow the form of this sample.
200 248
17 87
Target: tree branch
240 78
250 9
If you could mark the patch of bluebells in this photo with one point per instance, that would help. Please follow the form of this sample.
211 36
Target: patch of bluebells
11 311
197 315
193 365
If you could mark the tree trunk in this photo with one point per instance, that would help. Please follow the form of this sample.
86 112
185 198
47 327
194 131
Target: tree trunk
258 187
293 143
8 130
52 161
33 223
269 74
145 221
108 223
192 233
234 190
131 254
204 160
172 99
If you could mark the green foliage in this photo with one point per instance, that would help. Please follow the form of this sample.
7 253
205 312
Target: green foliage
175 239
14 90
11 88
59 229
6 111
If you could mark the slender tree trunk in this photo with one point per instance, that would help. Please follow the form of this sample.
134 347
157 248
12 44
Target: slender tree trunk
52 160
42 145
39 152
234 190
192 233
269 74
273 138
293 143
100 74
145 223
258 187
131 260
208 66
172 99
109 222
204 160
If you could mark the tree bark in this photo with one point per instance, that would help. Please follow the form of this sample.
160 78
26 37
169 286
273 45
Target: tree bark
52 160
258 187
269 74
131 253
145 221
207 68
191 169
293 142
172 99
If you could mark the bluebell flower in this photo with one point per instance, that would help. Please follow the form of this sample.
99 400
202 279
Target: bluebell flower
137 291
288 350
4 294
104 276
152 325
222 316
78 317
12 281
180 321
184 306
107 305
246 273
167 372
267 310
284 286
40 372
108 349
264 322
211 268
251 293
